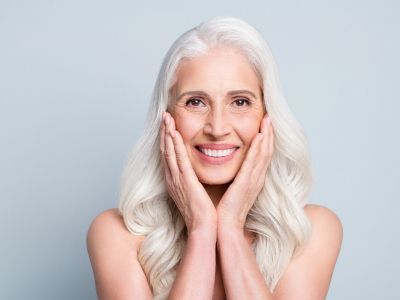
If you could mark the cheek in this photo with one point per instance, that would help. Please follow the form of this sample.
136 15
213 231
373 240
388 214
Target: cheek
187 127
247 128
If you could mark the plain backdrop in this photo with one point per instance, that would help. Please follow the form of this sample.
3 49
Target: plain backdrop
75 83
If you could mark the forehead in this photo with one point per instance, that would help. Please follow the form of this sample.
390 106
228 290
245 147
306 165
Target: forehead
217 71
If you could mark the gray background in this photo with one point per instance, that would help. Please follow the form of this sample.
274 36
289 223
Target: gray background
75 83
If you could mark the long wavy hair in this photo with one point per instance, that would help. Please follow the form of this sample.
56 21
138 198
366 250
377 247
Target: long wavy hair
277 217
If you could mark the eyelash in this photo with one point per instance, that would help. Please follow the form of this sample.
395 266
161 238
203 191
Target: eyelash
247 100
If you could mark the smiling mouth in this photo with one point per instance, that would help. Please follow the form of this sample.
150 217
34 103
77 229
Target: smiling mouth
216 153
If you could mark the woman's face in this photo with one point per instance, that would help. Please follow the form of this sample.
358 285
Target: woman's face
217 102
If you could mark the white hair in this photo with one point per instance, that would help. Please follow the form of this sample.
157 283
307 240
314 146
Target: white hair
277 217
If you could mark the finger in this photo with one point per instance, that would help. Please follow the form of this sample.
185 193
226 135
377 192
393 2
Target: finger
265 130
180 150
260 158
163 149
169 144
272 138
251 160
167 123
162 134
259 143
170 156
263 123
171 125
182 157
269 140
267 147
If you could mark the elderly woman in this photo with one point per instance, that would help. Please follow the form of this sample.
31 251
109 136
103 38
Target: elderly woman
213 198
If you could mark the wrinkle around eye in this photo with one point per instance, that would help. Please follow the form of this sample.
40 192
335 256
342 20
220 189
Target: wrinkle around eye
200 105
183 106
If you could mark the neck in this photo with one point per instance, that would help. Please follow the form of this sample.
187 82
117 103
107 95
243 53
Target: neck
215 192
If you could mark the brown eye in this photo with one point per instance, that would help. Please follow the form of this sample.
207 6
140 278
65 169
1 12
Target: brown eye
194 101
242 102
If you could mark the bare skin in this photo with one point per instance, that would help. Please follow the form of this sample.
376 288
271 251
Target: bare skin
214 200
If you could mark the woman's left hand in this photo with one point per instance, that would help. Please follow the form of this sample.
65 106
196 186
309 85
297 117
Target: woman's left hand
235 204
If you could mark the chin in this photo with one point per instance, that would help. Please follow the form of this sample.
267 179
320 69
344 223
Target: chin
217 179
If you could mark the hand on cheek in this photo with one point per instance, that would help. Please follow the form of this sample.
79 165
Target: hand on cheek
248 183
183 185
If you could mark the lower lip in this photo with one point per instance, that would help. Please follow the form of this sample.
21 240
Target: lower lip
216 160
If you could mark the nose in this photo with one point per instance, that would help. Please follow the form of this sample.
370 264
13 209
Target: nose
217 123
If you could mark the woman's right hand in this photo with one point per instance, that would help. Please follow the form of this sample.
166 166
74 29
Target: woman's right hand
183 186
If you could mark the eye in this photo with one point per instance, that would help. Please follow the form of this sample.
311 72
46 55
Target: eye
194 101
242 102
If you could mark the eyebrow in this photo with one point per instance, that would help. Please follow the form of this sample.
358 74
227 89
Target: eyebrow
202 93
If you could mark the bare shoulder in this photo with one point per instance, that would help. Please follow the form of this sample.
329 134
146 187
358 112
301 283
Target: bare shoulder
323 218
112 250
327 232
108 230
308 275
110 224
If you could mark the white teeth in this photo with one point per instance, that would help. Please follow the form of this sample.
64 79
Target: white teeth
217 153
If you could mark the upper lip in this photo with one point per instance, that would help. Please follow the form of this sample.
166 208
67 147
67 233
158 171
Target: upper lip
217 146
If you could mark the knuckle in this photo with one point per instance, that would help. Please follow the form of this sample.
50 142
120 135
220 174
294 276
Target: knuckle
179 158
